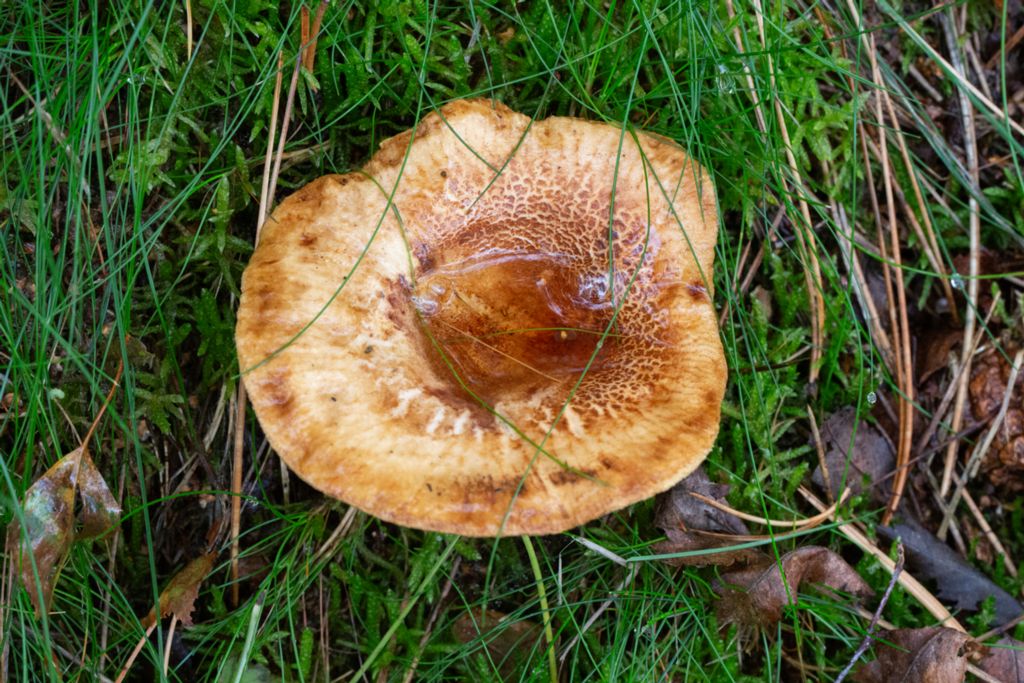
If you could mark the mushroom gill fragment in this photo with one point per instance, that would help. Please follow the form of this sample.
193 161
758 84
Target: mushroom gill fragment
498 326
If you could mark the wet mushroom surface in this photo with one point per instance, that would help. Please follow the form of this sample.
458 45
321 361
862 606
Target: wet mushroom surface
498 326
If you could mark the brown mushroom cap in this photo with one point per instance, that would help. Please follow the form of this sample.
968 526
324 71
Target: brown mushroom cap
454 358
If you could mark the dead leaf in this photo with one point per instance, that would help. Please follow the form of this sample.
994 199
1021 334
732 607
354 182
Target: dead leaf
48 515
935 654
855 451
100 511
48 510
512 645
179 596
756 596
683 518
956 582
1005 660
934 348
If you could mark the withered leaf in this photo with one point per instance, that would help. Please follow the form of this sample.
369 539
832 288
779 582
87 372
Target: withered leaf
686 521
100 512
179 596
512 645
935 345
956 582
935 654
48 511
756 596
1005 660
855 450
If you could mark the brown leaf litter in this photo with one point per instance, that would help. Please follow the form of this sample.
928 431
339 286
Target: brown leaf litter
179 596
757 595
1004 461
42 543
857 453
688 522
935 654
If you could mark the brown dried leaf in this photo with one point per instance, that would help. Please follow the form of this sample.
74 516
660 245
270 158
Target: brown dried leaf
100 512
48 510
1005 660
756 596
870 457
179 596
683 517
511 645
936 345
935 654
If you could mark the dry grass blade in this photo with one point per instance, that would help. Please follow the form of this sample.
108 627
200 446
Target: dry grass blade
188 30
795 524
971 151
909 583
309 38
804 231
240 401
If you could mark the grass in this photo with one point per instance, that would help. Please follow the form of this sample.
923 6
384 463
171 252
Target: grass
131 173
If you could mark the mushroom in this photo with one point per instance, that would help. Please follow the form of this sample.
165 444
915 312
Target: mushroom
498 327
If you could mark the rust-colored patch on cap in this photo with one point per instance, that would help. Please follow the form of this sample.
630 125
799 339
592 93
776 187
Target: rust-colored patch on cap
507 327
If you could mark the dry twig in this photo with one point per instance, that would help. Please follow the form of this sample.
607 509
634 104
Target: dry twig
971 150
869 637
240 402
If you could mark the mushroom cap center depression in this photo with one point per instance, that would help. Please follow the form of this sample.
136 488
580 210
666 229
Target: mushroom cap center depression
503 322
506 321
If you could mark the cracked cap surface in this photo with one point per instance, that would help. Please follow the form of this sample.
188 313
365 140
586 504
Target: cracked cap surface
498 326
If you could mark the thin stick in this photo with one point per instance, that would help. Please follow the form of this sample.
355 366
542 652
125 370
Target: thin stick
135 653
986 528
982 675
309 55
947 398
909 583
303 32
1010 44
820 449
957 75
971 150
860 285
170 641
240 401
999 630
900 325
542 596
796 524
870 635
